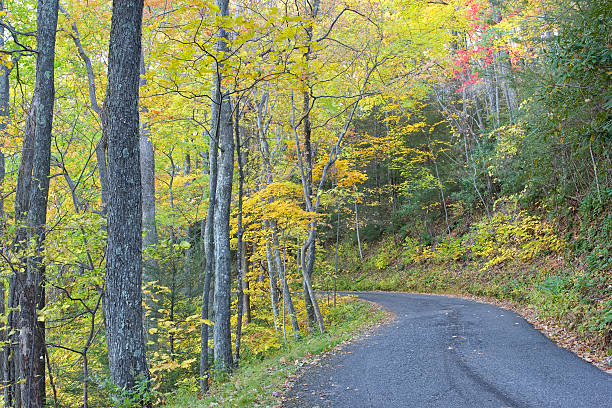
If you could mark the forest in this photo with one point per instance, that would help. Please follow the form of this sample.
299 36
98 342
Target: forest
184 185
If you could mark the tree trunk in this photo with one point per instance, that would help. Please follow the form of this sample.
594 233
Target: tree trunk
4 118
147 171
311 10
4 376
245 284
337 244
147 179
310 257
187 164
103 172
123 301
208 274
221 329
32 336
172 307
440 185
209 253
307 264
17 281
264 149
240 246
307 251
223 131
280 267
272 276
357 229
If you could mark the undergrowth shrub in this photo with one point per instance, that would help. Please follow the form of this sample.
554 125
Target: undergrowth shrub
503 237
450 248
595 235
513 237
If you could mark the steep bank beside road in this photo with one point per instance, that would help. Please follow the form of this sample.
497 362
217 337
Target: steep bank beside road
572 306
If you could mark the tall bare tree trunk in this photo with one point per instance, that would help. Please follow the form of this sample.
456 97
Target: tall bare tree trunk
123 300
17 281
4 118
337 244
311 10
32 297
307 251
273 250
223 132
272 277
209 250
147 171
208 275
280 267
264 149
440 185
307 263
357 228
246 285
240 246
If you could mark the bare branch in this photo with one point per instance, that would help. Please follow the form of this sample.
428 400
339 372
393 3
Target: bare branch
76 37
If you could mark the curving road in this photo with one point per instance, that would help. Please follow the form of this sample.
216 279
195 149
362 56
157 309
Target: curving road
448 352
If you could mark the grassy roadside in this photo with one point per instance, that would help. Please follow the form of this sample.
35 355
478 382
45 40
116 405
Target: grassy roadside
262 382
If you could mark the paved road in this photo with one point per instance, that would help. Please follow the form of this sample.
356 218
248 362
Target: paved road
448 352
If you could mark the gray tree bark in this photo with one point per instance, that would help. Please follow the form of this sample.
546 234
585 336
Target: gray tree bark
4 118
221 308
32 334
306 257
187 165
123 302
275 267
245 284
272 278
209 254
357 227
240 247
308 265
310 254
337 243
17 281
280 267
147 173
223 132
311 9
208 274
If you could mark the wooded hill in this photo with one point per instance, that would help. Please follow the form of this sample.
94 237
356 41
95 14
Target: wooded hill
178 179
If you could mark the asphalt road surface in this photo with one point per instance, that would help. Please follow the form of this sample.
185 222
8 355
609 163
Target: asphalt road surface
448 352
